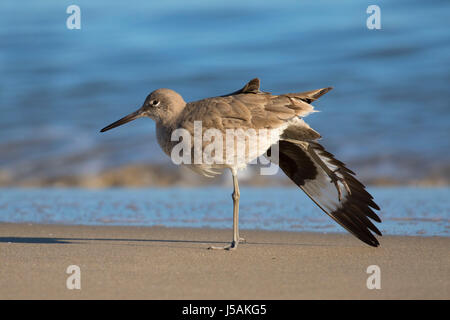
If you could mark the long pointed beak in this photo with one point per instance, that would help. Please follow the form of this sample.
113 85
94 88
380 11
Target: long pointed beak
128 118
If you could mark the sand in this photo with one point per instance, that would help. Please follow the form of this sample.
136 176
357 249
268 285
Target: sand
172 263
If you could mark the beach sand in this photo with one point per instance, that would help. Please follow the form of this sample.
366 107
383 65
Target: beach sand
172 263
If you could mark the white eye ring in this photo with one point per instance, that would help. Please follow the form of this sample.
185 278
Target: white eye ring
155 103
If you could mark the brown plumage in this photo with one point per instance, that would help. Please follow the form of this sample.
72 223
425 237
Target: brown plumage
248 108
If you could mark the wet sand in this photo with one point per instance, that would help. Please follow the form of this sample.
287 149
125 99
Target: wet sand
173 263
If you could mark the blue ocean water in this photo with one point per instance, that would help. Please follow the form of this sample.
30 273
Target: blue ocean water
404 211
388 115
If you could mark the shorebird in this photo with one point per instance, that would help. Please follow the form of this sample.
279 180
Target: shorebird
326 180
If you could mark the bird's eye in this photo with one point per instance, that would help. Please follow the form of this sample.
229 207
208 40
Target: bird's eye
154 103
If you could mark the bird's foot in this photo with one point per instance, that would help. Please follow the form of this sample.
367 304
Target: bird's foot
229 247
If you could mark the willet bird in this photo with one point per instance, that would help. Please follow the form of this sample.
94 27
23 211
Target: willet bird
323 178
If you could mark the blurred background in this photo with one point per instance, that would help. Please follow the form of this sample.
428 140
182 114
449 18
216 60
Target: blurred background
388 116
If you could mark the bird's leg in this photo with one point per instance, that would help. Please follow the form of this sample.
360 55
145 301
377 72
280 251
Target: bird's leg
236 196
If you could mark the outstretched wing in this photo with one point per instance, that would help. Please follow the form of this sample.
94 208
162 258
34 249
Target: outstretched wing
331 186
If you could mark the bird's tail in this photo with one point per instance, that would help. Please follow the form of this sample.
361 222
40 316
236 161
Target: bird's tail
309 96
331 186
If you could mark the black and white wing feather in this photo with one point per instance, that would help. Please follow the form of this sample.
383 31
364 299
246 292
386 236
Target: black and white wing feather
331 186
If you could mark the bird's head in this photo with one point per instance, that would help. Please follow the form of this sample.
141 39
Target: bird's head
162 105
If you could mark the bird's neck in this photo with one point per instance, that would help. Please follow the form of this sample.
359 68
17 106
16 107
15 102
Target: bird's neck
171 118
163 136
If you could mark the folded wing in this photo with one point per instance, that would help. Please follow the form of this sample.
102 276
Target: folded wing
250 108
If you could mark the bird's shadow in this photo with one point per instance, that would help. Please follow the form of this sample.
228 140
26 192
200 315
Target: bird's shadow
49 240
